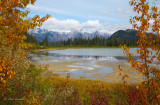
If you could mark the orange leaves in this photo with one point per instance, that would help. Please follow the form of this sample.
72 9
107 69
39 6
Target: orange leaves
137 87
14 22
6 70
150 36
154 8
149 59
13 25
1 68
24 14
131 2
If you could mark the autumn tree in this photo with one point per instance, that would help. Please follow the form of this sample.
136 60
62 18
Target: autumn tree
13 24
147 19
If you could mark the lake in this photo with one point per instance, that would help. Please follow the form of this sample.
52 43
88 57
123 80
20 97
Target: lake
92 63
91 52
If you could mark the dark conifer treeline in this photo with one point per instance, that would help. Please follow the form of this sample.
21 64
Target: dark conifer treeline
97 41
33 39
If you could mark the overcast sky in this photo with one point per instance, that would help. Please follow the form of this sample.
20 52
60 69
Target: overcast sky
90 15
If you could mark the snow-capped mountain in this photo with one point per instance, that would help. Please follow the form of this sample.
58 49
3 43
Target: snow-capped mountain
57 36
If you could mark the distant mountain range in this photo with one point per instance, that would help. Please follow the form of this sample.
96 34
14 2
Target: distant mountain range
57 36
129 34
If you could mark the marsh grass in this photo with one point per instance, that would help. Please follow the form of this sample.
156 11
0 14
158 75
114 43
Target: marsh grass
32 88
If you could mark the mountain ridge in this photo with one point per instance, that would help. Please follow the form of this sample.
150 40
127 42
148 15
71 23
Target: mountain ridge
54 36
128 34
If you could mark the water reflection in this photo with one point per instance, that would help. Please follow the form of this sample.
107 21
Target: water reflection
84 56
81 62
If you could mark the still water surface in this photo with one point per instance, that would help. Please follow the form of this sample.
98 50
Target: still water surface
86 59
92 52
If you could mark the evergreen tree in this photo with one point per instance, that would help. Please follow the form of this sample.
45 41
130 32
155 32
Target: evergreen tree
46 40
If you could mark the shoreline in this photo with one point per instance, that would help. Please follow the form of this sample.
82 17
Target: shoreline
114 77
61 67
75 47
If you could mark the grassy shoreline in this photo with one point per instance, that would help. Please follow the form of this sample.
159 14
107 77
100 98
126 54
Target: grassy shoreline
76 47
53 90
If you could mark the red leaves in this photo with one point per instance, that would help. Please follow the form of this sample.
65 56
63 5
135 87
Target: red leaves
119 67
125 76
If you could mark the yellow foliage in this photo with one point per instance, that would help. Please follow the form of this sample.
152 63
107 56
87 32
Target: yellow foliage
146 14
13 25
31 99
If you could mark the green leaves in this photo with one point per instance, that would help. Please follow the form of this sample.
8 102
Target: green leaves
149 98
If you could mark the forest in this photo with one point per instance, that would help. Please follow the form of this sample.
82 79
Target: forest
79 42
